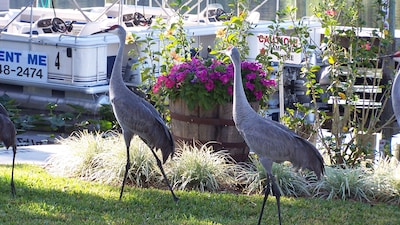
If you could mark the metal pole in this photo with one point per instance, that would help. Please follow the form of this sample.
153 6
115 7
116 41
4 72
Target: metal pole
392 24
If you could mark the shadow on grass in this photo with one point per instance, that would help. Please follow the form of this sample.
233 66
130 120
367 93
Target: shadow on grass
46 199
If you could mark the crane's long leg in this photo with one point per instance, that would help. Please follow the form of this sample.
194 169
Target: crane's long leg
13 192
277 193
127 167
266 193
165 176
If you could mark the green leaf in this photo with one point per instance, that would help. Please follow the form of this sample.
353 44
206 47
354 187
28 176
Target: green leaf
315 69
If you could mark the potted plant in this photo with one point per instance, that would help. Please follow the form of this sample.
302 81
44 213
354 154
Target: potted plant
200 100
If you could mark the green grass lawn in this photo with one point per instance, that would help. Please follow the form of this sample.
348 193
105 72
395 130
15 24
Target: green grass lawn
46 199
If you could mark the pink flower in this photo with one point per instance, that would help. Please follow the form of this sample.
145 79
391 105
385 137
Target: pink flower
268 83
202 75
246 65
225 78
251 76
209 85
189 80
169 83
250 86
258 94
230 90
180 76
330 12
156 88
366 46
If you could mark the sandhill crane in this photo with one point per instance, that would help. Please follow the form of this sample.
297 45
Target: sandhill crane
7 136
396 89
395 95
270 140
136 116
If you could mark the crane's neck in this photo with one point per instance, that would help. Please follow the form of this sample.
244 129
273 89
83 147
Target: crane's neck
241 106
396 94
116 80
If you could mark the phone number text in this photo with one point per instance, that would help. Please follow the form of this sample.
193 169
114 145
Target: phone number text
22 72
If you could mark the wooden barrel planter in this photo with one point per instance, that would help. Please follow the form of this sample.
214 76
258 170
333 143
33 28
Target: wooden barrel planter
215 126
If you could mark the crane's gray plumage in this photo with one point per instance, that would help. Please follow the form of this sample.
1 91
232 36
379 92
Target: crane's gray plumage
271 141
395 92
136 116
396 89
396 97
7 136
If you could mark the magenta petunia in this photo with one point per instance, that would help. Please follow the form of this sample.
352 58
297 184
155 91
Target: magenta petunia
251 76
169 83
268 83
212 76
230 90
258 94
209 85
202 75
180 76
225 78
156 88
249 85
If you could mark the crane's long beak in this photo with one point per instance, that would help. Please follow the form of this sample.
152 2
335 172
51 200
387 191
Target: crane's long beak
393 55
385 56
102 31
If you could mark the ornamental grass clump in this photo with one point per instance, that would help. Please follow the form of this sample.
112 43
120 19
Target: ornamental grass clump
344 183
201 168
207 83
82 146
385 181
102 157
252 177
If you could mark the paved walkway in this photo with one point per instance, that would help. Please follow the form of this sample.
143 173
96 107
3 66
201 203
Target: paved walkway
34 154
33 147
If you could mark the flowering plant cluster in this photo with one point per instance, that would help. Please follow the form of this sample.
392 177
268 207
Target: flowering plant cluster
206 83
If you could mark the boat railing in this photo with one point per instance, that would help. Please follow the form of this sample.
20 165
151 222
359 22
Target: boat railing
77 38
16 16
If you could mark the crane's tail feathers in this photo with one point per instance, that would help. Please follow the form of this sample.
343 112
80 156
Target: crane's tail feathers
166 152
170 148
307 156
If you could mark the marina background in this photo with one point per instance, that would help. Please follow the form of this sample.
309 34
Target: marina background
267 11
